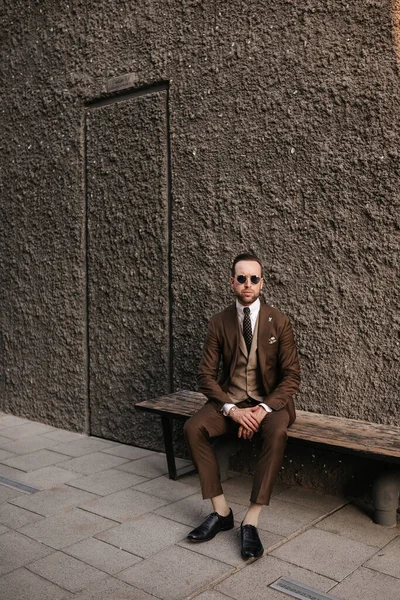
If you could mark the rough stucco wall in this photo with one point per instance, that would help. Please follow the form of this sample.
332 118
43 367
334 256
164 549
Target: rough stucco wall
303 126
284 120
41 242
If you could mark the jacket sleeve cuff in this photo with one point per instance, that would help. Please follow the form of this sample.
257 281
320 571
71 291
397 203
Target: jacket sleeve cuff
267 408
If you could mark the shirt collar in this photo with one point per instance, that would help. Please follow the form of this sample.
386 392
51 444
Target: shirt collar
254 308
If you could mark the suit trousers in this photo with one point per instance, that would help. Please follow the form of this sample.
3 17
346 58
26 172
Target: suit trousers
209 422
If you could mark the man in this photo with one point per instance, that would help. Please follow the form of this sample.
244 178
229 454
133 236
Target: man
254 393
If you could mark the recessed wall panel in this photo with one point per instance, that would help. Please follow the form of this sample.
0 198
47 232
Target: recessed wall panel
128 306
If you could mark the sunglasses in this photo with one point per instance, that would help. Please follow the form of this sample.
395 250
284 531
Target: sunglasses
243 278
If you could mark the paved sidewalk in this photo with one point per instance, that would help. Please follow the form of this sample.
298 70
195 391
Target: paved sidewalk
107 524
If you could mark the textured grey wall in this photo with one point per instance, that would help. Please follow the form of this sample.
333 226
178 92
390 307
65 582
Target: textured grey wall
281 123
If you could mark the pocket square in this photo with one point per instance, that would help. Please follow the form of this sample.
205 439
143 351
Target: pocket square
272 340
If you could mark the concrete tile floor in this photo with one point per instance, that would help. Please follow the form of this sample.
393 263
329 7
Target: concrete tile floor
107 523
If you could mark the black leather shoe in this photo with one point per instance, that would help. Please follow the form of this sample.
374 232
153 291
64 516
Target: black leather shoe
212 525
250 542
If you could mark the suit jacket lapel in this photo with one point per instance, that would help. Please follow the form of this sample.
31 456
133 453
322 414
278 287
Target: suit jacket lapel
264 333
231 329
242 343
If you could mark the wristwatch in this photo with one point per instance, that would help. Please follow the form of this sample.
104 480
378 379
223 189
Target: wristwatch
232 409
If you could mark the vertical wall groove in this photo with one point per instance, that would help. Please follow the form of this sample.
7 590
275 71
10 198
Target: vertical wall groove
170 290
86 293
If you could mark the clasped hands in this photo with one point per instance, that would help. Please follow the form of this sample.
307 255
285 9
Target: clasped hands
249 420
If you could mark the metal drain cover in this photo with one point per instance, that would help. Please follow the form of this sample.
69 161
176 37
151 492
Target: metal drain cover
17 485
299 590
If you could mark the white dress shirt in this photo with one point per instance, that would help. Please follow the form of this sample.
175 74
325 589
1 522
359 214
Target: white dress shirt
254 310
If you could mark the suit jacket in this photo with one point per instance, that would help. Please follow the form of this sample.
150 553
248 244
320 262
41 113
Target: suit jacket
276 351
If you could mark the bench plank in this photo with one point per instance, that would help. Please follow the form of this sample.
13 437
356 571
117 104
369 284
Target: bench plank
179 405
340 432
351 434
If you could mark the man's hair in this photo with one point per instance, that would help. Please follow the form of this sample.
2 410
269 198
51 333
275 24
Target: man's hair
245 256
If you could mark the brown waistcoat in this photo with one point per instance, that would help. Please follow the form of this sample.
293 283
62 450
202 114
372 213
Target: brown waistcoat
246 381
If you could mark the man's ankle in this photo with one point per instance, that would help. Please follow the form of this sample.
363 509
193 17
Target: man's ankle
220 506
224 513
251 517
250 521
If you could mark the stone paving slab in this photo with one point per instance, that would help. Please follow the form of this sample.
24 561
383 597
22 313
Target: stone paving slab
26 430
86 445
123 506
226 546
4 440
312 499
174 573
5 454
284 518
102 556
129 452
352 523
145 535
326 553
113 589
56 500
15 517
28 444
12 421
35 460
212 595
93 463
166 488
11 473
66 571
107 482
365 584
17 550
251 583
62 435
7 494
152 466
3 529
111 443
192 510
22 584
66 529
48 477
387 560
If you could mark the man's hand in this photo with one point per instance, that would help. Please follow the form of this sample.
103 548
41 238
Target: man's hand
245 418
249 420
259 413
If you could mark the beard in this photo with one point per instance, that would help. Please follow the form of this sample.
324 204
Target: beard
247 297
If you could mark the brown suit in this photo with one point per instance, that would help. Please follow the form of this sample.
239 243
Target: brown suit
280 375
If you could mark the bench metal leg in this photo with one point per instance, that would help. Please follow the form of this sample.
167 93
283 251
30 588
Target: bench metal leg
169 446
385 493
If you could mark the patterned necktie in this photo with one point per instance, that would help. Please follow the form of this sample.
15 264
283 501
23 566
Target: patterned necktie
247 332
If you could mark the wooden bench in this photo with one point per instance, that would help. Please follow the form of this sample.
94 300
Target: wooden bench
335 433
